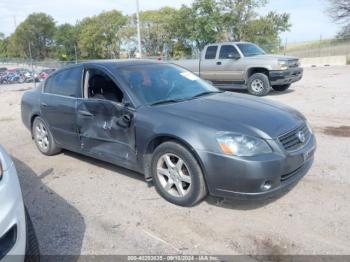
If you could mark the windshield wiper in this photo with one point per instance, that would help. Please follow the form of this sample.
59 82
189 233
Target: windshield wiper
167 101
206 93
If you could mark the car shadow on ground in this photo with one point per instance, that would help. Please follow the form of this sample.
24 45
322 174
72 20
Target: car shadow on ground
105 165
59 226
214 201
272 93
276 93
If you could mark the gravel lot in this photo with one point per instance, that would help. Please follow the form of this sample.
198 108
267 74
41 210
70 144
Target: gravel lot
84 206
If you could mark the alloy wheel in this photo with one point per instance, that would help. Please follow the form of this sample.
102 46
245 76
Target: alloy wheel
174 175
42 136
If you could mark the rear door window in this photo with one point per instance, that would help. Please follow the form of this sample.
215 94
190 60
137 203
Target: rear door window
228 51
211 52
65 83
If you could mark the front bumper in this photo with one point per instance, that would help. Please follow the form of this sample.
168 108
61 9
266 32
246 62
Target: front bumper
243 177
285 77
12 217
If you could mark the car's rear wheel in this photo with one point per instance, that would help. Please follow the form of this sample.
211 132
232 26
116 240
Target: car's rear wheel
259 84
177 175
32 245
281 87
43 138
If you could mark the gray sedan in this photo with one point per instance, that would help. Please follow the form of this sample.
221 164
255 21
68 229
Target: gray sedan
164 122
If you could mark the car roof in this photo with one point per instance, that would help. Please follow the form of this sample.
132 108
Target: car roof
230 43
111 64
120 62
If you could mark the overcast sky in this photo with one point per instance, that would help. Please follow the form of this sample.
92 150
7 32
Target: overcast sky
308 17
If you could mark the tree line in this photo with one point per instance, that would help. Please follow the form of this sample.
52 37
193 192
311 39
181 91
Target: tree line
340 12
166 31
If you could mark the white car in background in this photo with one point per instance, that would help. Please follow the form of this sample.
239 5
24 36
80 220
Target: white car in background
17 237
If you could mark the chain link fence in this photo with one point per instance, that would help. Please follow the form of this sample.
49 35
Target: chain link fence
35 64
318 48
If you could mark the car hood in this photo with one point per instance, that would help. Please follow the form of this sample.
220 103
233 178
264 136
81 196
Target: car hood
275 57
229 112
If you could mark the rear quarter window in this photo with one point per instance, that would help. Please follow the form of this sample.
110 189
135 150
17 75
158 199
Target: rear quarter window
211 52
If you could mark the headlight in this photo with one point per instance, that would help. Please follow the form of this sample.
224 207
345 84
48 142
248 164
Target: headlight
1 171
309 127
242 145
283 64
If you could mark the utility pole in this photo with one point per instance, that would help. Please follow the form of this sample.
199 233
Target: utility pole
285 46
138 28
76 55
319 46
15 21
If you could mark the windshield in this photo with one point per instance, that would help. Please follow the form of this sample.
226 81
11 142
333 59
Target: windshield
250 49
162 83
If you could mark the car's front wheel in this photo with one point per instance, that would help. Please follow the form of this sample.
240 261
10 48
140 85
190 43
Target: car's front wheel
177 175
281 88
259 84
43 138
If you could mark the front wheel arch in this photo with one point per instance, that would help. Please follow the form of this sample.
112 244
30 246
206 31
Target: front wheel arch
157 141
198 183
253 70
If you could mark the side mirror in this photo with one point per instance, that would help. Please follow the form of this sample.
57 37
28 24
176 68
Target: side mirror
233 56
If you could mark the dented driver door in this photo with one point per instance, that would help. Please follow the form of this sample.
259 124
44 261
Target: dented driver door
106 131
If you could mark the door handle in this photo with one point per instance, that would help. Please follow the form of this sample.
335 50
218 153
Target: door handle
85 113
218 63
44 104
124 121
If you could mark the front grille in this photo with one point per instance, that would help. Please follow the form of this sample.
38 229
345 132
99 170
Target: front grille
295 139
293 63
7 241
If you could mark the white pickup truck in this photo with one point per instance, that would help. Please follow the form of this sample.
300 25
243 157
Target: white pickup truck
232 65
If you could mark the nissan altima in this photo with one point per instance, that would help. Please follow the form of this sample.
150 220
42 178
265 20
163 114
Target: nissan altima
179 131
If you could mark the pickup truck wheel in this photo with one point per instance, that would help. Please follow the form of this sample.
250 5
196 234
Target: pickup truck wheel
43 138
281 88
177 175
259 84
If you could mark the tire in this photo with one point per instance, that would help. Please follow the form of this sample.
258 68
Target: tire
259 84
191 179
281 88
32 245
44 142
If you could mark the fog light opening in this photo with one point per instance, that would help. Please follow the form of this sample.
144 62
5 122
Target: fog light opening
266 185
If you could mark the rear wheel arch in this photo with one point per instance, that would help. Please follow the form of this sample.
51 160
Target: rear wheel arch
157 141
32 118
